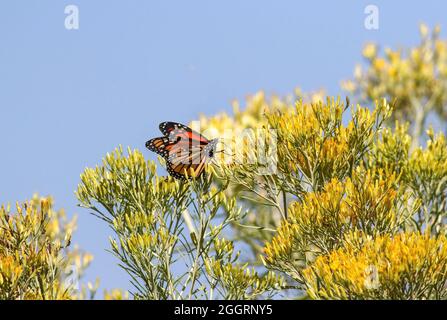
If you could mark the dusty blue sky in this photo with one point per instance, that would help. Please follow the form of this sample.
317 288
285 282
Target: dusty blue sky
68 97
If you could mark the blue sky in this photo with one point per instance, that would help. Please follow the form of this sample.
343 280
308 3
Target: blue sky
68 97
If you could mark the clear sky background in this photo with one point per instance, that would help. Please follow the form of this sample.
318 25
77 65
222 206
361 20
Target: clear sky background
68 97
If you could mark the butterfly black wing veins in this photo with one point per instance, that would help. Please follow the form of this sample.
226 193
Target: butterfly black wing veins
158 145
178 150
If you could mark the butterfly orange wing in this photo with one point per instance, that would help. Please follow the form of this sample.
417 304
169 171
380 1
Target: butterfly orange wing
182 149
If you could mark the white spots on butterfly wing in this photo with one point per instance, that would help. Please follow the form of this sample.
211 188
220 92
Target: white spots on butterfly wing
178 129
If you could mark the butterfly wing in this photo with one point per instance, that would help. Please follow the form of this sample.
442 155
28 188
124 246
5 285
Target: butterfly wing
175 130
191 162
183 149
167 127
174 133
159 145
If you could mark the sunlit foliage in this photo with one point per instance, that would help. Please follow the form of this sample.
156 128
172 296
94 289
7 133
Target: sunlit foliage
167 232
422 171
406 266
36 258
349 204
415 78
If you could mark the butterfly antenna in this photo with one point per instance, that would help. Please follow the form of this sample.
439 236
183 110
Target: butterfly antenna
223 142
228 154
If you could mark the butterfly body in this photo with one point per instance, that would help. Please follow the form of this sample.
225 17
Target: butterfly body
185 151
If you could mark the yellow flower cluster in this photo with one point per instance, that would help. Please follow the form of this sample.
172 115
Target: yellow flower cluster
233 129
35 258
426 175
324 221
404 266
431 163
125 176
314 144
241 282
392 149
312 141
415 79
252 115
159 222
116 294
238 281
422 171
10 271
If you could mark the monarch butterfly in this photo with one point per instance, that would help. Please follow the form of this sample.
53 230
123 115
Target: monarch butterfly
185 150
